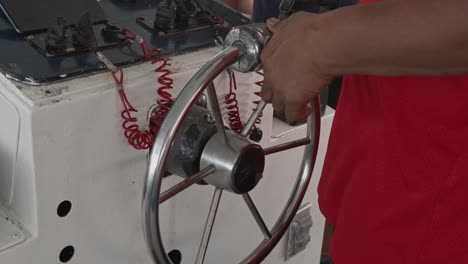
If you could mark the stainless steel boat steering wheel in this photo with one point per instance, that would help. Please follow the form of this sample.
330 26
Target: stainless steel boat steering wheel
229 161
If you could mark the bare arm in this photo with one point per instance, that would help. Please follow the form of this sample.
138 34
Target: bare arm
397 37
392 38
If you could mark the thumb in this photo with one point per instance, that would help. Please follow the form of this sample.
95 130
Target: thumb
272 24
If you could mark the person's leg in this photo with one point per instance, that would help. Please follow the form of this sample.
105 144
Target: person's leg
264 9
246 6
243 6
327 237
231 3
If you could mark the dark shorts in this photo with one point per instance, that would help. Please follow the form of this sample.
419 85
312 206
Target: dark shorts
264 9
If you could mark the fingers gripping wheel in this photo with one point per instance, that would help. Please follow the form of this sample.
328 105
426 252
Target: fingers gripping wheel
229 161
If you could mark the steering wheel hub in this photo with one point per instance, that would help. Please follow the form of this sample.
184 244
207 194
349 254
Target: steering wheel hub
239 163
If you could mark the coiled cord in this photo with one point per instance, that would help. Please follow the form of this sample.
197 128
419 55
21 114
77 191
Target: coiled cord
166 82
232 104
136 137
259 94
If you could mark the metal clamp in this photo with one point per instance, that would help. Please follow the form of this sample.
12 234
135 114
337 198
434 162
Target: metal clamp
107 62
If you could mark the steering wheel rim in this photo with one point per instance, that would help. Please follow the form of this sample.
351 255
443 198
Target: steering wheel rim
162 145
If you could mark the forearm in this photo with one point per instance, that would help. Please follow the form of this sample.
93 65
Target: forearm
394 37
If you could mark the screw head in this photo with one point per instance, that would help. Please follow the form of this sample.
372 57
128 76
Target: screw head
256 135
209 119
202 101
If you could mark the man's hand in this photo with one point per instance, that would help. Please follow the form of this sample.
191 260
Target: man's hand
290 62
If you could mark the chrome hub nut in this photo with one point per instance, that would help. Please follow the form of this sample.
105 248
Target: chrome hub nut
239 164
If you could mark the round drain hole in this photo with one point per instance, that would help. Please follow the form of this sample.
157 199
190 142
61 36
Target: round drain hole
64 208
66 254
175 256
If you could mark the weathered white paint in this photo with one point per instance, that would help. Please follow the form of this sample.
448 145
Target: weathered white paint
67 144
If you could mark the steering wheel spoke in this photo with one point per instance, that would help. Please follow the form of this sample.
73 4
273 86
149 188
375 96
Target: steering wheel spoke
213 98
186 183
255 115
256 214
209 226
287 146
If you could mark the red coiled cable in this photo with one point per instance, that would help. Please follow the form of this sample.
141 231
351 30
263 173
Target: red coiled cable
235 122
138 138
259 94
166 82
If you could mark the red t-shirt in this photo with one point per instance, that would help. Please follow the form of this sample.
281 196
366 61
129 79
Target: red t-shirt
395 179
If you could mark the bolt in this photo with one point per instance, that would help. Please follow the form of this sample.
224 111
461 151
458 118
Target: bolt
151 112
219 42
256 135
209 119
202 101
